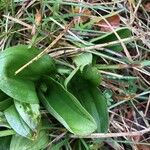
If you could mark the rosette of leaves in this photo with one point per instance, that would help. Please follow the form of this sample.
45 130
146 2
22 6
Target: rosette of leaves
21 94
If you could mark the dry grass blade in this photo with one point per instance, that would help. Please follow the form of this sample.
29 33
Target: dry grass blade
19 21
109 135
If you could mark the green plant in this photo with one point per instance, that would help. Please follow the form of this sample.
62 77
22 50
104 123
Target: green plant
76 101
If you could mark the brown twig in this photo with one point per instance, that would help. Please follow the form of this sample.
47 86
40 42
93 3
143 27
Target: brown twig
147 106
97 47
56 139
18 21
110 135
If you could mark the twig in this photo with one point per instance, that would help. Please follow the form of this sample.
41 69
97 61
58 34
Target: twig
147 106
97 46
56 139
18 21
110 135
71 33
46 50
134 14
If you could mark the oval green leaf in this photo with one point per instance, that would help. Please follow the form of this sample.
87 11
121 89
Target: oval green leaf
29 113
66 109
11 60
21 143
20 89
89 96
17 123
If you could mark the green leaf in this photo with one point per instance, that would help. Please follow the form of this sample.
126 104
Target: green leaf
4 133
17 123
11 60
29 113
15 57
91 75
3 121
58 145
5 101
83 59
5 143
23 90
66 109
110 37
3 96
5 104
145 63
90 97
21 143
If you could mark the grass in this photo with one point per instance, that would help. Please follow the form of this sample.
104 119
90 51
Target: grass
123 62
